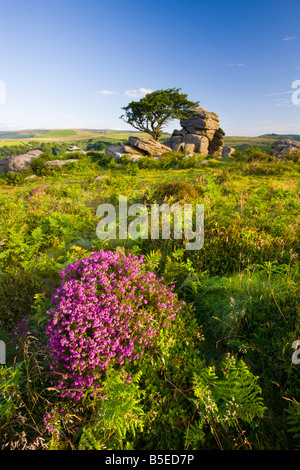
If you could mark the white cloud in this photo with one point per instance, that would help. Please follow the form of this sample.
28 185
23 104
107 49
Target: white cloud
283 103
280 93
235 65
106 92
137 93
289 38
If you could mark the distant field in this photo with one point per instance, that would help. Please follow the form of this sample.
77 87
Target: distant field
120 135
59 133
76 136
263 142
12 142
242 143
24 134
82 136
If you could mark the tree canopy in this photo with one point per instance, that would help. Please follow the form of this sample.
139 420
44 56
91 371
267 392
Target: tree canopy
151 113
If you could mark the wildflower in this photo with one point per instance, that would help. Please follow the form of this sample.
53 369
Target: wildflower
107 310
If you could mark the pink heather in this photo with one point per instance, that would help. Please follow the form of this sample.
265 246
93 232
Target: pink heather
107 310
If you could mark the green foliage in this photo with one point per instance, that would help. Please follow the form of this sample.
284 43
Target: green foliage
256 316
156 109
241 291
253 154
38 165
21 400
12 150
132 169
16 294
100 157
53 148
12 178
152 260
195 436
165 162
178 191
293 420
117 418
10 397
97 146
228 394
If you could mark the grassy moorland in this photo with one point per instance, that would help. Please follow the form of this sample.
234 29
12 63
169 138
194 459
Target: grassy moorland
220 376
82 136
71 136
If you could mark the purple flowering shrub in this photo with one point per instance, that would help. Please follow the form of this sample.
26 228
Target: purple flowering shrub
108 309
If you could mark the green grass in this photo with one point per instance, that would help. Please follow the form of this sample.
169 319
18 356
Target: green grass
8 142
81 136
59 133
243 143
20 134
243 284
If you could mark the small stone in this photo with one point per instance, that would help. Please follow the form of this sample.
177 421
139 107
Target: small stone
134 158
227 151
31 177
55 163
100 178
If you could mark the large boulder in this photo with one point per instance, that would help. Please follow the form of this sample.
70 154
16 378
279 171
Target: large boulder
200 133
115 151
18 163
137 147
200 143
285 147
148 146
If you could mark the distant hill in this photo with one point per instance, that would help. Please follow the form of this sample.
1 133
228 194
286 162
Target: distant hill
24 134
67 135
282 136
82 137
105 131
59 133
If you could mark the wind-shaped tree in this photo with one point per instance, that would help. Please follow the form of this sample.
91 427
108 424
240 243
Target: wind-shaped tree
156 109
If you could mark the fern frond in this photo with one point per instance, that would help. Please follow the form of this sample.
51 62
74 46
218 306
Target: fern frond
229 396
152 259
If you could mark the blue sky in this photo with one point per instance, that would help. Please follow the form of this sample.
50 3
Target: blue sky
74 64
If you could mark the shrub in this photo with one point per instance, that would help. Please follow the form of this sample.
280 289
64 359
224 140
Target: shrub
253 154
132 169
97 146
178 191
12 178
16 293
107 311
9 150
39 167
100 157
